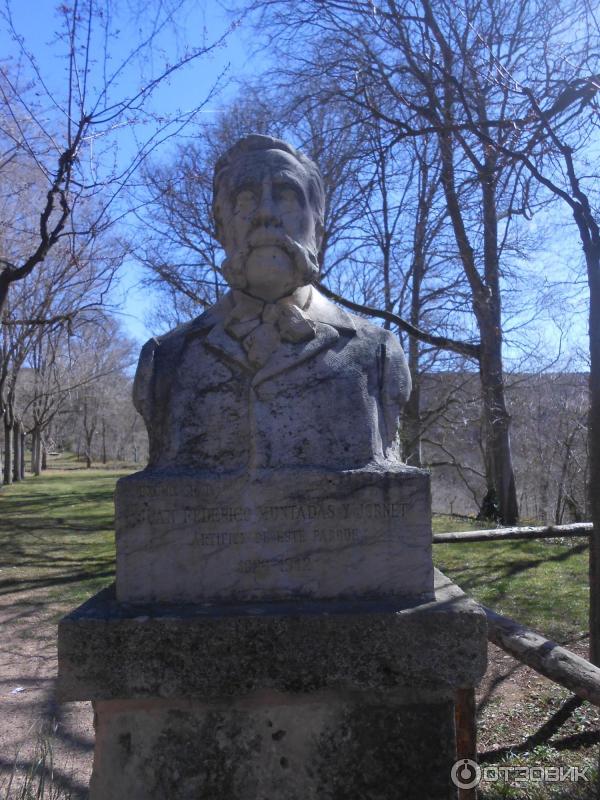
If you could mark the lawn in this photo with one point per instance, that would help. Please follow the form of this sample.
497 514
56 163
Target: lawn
542 583
57 535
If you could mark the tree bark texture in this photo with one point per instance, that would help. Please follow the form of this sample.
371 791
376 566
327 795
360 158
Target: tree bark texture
35 443
36 452
593 265
515 534
412 451
22 432
16 452
8 450
485 291
545 656
487 310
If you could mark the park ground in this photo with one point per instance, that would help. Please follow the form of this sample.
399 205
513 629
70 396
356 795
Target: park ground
57 549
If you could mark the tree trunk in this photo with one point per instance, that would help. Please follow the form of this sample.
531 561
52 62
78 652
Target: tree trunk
8 450
44 450
411 419
485 299
514 534
37 454
22 432
488 310
16 452
104 441
412 411
88 450
34 447
593 268
497 422
545 656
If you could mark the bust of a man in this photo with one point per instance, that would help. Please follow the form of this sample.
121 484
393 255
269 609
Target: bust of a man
274 375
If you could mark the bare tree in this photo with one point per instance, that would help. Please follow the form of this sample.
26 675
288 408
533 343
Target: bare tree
62 141
428 69
554 141
70 134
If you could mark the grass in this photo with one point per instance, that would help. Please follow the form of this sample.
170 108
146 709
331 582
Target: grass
38 779
542 583
57 535
505 785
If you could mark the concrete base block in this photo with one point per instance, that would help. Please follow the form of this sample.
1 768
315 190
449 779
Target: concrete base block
275 746
305 701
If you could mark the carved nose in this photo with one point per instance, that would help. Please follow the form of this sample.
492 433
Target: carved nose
266 213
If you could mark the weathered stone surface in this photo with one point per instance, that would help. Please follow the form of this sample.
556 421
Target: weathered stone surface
108 650
274 375
330 746
274 536
332 402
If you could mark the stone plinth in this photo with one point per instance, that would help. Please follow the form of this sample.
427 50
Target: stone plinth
290 534
303 701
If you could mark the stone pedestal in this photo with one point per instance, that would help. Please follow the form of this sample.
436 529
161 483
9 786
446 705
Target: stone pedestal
279 535
307 700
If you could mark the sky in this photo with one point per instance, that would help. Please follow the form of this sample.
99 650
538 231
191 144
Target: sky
203 22
232 60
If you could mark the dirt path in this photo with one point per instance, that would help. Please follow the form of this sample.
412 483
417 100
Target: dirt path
28 664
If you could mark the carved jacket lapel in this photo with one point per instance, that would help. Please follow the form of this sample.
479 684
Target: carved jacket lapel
330 321
225 345
288 356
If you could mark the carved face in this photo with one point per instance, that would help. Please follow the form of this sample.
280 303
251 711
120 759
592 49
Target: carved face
269 225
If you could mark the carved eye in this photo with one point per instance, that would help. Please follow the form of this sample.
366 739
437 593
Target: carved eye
245 202
288 198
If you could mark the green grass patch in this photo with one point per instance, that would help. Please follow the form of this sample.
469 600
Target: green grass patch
57 536
542 583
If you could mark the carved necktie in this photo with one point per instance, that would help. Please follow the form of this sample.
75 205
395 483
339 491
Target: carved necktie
261 327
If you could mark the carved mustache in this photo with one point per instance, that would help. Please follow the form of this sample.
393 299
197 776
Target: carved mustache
262 237
305 259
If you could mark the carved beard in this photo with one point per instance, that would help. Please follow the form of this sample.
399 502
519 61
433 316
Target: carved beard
304 259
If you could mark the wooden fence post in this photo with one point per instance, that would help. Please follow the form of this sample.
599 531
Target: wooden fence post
465 714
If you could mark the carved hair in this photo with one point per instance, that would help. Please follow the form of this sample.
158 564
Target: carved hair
254 143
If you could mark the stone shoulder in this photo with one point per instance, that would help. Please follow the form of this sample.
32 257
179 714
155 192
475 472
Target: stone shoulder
376 332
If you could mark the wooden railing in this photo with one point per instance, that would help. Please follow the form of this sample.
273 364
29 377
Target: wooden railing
494 534
543 655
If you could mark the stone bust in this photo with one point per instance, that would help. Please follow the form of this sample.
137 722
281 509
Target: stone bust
274 375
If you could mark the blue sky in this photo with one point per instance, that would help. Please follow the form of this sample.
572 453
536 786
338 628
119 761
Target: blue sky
40 25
